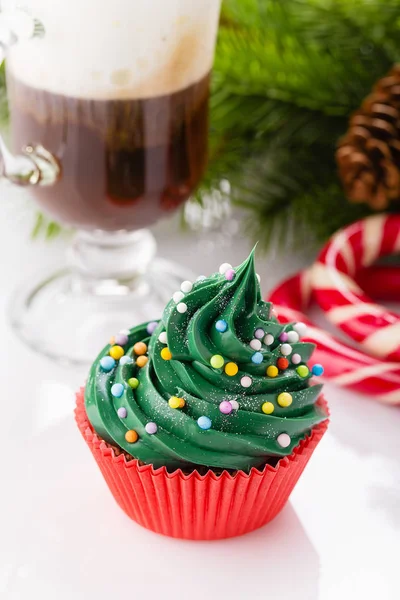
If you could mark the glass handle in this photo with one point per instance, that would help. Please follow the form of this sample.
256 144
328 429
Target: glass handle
35 165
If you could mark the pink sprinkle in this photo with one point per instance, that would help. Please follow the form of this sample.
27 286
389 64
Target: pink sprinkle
284 337
230 274
226 408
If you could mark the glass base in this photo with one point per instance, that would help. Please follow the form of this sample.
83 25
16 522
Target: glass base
71 315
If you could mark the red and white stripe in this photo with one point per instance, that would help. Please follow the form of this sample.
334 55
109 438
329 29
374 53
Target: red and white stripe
343 364
337 289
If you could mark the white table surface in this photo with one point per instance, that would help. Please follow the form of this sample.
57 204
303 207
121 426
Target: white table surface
63 537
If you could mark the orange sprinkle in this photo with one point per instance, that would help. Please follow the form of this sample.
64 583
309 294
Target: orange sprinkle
141 361
140 348
131 436
231 369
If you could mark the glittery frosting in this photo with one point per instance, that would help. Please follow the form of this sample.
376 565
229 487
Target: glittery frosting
219 388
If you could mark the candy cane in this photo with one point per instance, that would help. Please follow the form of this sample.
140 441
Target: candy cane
343 364
345 303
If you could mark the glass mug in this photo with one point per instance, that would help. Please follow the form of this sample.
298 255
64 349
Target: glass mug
109 130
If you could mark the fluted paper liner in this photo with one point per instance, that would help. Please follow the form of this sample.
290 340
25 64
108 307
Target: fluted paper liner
194 506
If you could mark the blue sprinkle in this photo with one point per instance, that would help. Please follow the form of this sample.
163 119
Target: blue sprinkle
221 325
151 327
107 363
257 358
317 370
125 360
204 423
117 390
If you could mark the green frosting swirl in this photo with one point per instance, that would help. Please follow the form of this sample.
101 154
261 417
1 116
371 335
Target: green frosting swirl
245 438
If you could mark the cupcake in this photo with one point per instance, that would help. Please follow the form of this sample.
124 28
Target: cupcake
202 423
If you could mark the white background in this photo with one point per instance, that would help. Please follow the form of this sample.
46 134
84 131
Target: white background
63 537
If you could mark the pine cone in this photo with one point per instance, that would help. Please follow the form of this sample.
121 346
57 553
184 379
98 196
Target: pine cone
368 156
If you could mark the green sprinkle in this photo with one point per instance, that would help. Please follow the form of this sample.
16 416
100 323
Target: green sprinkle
133 382
217 361
303 371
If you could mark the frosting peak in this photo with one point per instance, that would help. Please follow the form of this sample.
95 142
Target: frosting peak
218 381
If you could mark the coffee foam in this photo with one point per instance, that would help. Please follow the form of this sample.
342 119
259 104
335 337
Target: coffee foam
111 49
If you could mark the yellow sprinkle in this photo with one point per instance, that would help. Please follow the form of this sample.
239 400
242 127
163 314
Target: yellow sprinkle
131 436
268 408
117 352
141 361
231 369
285 399
176 402
272 371
166 354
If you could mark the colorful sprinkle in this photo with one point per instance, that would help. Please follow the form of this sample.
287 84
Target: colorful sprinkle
131 436
303 371
162 338
224 268
286 349
142 361
122 412
268 408
116 352
151 428
272 371
259 333
246 381
107 363
181 308
201 278
301 329
117 390
255 344
121 339
140 348
257 358
296 359
317 370
133 383
283 337
204 422
285 399
269 339
186 287
221 325
125 360
151 327
178 296
231 369
176 402
166 354
226 408
217 361
230 274
293 337
283 440
282 364
234 404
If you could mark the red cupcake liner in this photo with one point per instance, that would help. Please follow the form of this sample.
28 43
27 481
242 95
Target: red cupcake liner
194 506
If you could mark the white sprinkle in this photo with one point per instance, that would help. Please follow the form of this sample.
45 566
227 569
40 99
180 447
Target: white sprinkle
258 277
293 337
186 287
178 296
255 344
124 332
269 339
125 360
283 440
246 381
286 349
201 278
259 333
163 337
296 359
181 308
224 267
301 329
234 404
